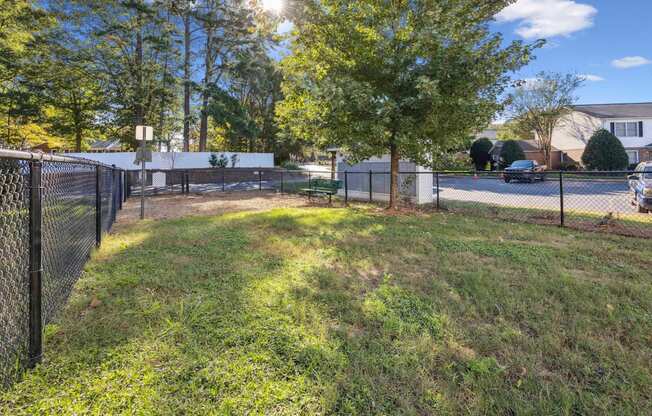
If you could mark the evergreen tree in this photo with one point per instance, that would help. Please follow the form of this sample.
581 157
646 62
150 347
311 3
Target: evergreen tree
510 152
479 153
605 152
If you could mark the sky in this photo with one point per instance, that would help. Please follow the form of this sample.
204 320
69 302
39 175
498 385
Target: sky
609 42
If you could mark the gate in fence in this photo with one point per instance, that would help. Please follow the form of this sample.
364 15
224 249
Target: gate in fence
53 212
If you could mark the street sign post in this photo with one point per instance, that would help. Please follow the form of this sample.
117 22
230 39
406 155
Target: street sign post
144 134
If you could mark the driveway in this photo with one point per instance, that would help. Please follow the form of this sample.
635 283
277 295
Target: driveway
582 195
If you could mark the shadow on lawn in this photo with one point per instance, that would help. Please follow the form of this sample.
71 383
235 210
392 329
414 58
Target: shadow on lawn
295 313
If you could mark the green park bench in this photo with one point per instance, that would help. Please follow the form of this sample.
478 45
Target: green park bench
322 187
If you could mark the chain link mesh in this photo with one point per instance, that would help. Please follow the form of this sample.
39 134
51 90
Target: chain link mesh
68 235
14 267
68 230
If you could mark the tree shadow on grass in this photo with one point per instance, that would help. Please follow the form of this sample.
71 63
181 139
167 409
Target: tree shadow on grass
289 312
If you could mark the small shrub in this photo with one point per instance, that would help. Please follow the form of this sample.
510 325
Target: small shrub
480 153
510 153
289 165
570 166
451 161
218 162
605 152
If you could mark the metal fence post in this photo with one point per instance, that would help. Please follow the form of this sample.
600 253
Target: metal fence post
281 181
35 348
260 179
371 185
121 188
98 205
437 182
309 180
561 199
186 176
127 186
346 187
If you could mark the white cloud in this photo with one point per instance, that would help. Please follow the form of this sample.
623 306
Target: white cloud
547 18
630 62
592 78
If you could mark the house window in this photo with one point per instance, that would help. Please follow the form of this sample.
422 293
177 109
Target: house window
633 156
629 129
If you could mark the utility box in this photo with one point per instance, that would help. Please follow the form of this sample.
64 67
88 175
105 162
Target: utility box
415 182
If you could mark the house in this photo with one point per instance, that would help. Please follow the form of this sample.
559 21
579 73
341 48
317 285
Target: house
631 123
531 150
491 132
106 146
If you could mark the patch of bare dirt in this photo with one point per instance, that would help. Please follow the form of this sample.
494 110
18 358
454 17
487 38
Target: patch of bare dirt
178 206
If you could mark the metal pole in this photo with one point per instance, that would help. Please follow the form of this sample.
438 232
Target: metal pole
143 179
260 179
346 187
561 199
371 195
35 348
437 179
127 185
121 176
309 180
281 181
98 206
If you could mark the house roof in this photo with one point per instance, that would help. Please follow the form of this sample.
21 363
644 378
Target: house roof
105 144
526 146
624 110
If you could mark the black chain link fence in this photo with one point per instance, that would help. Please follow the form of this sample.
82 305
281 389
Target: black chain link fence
49 223
595 201
218 180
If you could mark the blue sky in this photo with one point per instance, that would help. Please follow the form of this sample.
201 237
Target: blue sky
610 41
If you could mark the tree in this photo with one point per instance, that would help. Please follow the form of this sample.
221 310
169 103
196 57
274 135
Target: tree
218 162
397 77
131 46
510 152
228 29
514 130
480 153
541 104
605 152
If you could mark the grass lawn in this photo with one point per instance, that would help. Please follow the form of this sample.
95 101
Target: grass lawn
351 311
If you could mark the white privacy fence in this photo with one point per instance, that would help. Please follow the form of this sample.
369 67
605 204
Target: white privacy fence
179 160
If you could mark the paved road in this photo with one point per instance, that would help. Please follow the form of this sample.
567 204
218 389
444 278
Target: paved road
590 195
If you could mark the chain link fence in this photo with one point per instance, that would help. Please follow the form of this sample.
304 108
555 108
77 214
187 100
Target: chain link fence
158 182
594 201
53 211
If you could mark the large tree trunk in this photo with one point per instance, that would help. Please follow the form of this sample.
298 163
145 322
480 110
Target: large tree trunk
208 76
139 112
186 82
394 169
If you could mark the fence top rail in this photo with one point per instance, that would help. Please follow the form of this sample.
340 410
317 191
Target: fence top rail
46 157
379 172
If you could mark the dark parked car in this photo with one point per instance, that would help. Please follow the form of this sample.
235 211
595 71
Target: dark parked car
640 183
525 170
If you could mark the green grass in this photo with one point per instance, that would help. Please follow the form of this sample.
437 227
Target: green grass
628 224
351 311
